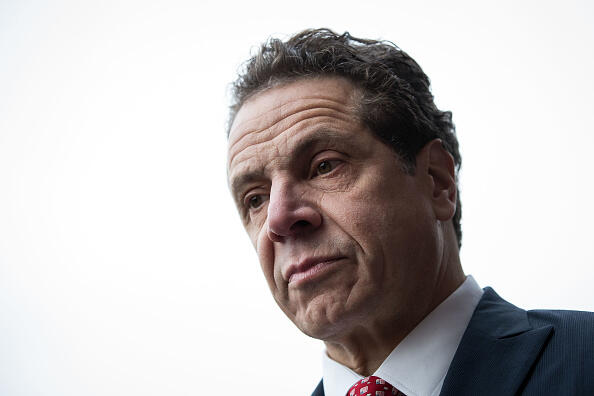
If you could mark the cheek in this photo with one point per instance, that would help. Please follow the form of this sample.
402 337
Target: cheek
386 227
265 251
364 226
361 218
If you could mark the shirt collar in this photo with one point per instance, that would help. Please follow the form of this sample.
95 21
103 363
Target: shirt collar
418 365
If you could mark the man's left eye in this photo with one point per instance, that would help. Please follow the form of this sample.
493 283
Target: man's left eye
325 167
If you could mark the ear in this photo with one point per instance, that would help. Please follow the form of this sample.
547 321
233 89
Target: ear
437 167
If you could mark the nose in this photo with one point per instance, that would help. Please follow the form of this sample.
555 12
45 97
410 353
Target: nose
291 213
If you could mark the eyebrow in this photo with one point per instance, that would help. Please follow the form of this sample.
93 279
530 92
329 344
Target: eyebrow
243 179
304 146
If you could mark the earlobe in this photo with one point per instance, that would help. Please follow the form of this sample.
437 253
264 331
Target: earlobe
438 165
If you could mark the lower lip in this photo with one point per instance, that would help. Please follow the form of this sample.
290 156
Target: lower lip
311 273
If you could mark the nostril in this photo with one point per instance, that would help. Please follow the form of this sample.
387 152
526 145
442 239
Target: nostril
300 224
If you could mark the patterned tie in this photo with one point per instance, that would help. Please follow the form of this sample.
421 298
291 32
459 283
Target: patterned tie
373 386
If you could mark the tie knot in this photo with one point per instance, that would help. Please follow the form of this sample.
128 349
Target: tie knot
373 386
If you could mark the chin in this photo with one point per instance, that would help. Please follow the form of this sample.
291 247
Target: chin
325 321
322 330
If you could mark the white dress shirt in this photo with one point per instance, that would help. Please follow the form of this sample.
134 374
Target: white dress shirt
418 365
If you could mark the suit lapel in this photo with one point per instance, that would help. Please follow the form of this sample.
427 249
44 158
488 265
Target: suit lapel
496 351
319 391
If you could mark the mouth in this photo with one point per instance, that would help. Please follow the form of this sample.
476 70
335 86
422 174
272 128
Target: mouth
309 268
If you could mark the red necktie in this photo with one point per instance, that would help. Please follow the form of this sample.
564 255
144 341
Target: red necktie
373 386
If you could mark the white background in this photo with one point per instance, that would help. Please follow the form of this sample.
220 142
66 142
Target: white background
124 269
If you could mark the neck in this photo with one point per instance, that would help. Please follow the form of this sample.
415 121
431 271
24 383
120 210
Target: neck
365 348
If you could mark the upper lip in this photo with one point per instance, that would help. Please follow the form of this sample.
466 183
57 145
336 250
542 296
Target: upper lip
306 264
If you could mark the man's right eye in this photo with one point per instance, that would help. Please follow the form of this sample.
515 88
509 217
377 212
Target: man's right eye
255 201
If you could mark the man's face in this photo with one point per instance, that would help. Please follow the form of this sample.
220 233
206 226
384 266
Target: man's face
343 234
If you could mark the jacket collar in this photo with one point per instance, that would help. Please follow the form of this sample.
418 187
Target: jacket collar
496 351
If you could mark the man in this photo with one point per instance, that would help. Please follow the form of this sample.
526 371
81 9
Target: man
345 176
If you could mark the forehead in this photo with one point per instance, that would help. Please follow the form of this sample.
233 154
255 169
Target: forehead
276 110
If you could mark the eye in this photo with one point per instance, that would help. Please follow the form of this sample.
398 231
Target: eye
325 167
255 201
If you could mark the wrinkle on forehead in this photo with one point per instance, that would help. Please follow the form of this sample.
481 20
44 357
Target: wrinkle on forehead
280 102
284 111
266 124
289 126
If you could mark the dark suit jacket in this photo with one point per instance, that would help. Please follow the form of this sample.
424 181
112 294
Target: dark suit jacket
508 351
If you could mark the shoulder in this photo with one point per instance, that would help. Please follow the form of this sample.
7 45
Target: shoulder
566 320
573 331
560 344
567 360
